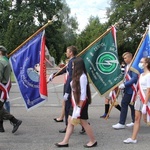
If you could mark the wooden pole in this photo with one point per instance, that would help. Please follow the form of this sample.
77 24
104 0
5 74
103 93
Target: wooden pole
113 104
38 31
86 49
108 30
139 46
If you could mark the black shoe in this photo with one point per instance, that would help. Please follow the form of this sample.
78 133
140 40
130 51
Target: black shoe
62 131
16 126
94 145
1 127
82 131
64 145
58 120
2 130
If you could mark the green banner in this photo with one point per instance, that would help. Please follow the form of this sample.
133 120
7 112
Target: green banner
102 64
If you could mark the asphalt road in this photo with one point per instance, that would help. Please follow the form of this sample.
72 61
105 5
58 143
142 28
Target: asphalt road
39 131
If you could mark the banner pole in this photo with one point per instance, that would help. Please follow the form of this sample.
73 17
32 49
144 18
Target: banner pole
38 31
129 67
113 104
108 30
139 46
83 51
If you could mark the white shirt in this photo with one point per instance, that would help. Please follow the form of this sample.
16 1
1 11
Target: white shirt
83 86
144 80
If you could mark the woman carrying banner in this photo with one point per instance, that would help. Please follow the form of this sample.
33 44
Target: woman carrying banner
142 100
81 98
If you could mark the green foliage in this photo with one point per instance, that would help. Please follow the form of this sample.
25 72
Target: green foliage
21 18
135 15
91 32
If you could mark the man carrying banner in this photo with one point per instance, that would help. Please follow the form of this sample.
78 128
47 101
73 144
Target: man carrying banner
71 52
129 93
5 83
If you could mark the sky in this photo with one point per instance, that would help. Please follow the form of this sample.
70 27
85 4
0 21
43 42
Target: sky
84 9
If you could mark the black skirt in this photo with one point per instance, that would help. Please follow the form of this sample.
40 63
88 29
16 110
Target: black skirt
84 111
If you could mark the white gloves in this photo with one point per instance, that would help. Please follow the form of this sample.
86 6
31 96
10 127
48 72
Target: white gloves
66 96
110 94
121 86
73 113
144 109
74 119
76 112
51 77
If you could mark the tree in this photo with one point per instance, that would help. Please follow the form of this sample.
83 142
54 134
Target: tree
91 32
19 19
135 17
67 33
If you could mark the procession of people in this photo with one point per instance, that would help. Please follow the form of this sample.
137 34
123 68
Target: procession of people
77 96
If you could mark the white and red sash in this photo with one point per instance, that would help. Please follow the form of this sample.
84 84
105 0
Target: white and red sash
114 94
134 88
5 90
142 97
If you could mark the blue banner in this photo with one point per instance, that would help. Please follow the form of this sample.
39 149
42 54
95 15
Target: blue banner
25 65
144 51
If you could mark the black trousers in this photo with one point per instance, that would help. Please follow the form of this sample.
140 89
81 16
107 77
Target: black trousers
67 109
4 113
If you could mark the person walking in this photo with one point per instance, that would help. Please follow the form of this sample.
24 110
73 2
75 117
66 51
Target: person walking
142 99
5 84
129 91
7 102
108 101
81 98
71 53
62 115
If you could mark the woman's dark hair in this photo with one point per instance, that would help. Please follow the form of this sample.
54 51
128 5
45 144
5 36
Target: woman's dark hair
78 70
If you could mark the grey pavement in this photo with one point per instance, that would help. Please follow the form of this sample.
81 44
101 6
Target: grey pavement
39 131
